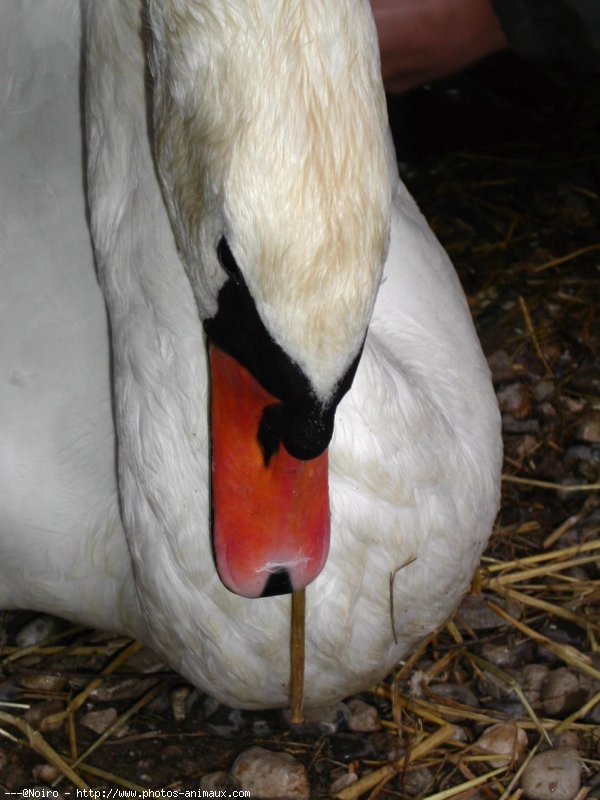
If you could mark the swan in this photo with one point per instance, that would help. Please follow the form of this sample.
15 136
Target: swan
220 172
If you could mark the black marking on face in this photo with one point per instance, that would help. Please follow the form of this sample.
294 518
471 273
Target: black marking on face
269 431
302 422
278 583
228 262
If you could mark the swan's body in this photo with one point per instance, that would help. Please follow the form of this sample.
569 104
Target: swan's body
414 462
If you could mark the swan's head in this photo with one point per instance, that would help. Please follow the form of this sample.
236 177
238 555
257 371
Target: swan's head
270 132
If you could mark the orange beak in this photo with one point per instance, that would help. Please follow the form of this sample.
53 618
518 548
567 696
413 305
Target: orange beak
270 510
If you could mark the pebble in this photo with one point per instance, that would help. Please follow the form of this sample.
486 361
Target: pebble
501 367
161 705
552 775
562 692
457 692
588 429
543 390
266 774
418 782
364 718
490 685
37 715
515 400
475 613
583 459
42 683
460 734
532 679
38 629
219 782
501 655
506 740
561 633
576 453
45 773
395 751
547 410
417 683
564 495
526 446
179 702
512 425
99 721
508 652
573 404
566 738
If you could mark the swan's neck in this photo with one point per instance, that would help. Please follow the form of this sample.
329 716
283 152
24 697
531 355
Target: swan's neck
157 341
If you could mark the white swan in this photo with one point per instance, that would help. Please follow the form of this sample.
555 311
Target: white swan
273 153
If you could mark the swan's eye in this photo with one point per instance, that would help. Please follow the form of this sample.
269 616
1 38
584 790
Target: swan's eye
227 260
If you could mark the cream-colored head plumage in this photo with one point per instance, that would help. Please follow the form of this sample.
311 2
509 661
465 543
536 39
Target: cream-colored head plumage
272 114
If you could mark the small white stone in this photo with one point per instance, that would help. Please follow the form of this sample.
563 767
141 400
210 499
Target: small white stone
515 400
364 718
267 774
543 390
501 655
418 681
506 740
460 734
37 630
552 775
45 773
